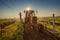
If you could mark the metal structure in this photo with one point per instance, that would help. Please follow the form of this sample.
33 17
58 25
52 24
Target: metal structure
30 24
34 30
28 16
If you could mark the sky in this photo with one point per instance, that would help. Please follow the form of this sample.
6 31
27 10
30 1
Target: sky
12 8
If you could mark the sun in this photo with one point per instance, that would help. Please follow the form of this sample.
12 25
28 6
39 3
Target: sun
28 8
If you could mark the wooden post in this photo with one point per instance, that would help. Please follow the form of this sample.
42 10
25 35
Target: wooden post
53 22
20 17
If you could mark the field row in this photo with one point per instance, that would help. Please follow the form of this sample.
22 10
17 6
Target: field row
9 31
49 26
6 22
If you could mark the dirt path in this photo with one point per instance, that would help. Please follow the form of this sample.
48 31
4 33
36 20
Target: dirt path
38 35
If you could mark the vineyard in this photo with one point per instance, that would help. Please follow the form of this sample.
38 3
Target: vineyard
11 29
8 28
48 25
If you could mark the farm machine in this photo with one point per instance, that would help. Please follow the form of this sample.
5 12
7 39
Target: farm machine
30 24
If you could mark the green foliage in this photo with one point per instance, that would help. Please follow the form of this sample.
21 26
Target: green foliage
12 31
49 27
19 32
5 20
